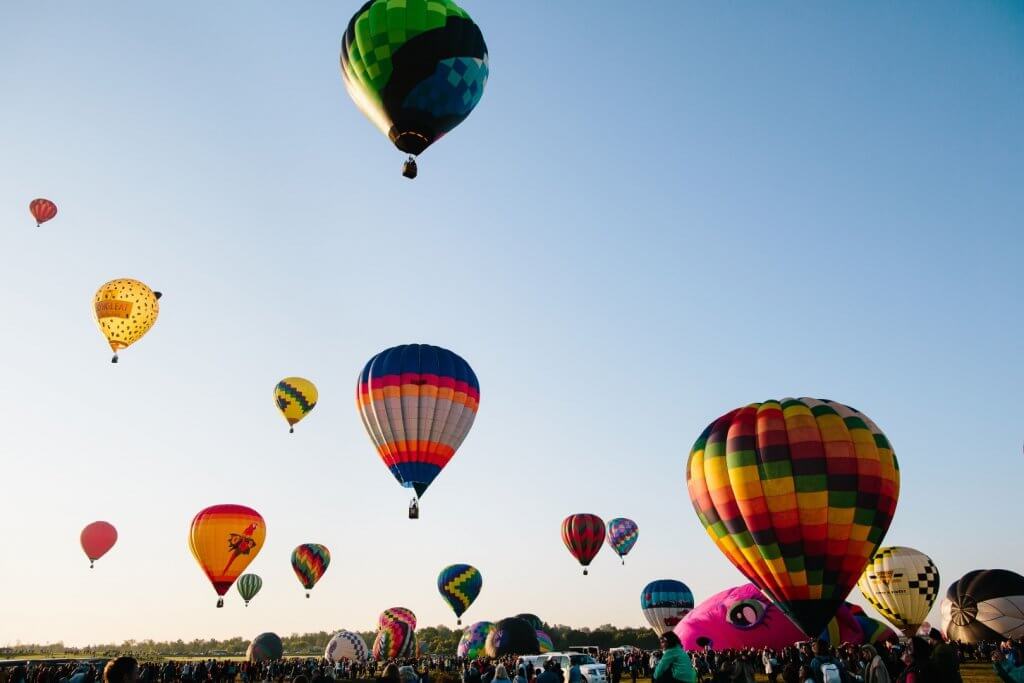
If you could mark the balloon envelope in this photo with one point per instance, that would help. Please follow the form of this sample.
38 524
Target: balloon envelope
248 586
295 397
395 639
583 535
512 637
125 309
544 642
265 647
902 584
402 614
42 210
224 539
309 562
459 585
531 619
474 640
984 605
346 645
622 535
798 494
96 539
664 603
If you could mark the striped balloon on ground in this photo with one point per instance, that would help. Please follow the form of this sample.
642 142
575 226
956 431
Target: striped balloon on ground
798 494
295 397
583 535
396 639
622 535
417 403
310 561
902 584
248 586
459 584
664 603
346 645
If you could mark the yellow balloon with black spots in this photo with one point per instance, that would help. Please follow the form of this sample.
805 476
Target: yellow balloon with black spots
295 397
125 309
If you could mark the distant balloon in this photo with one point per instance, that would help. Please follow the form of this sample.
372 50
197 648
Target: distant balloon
664 603
459 584
224 539
96 539
984 605
346 645
248 586
417 403
474 640
531 619
513 637
264 648
798 494
125 309
310 561
583 535
402 614
295 397
902 584
544 642
42 210
622 536
417 72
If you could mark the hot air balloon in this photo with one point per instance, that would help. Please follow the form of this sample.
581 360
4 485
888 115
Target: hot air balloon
346 645
417 403
984 605
125 309
901 583
265 647
42 210
622 535
474 640
248 586
295 397
224 539
544 642
416 72
396 639
310 561
513 637
798 494
664 603
531 619
391 614
583 535
97 538
459 584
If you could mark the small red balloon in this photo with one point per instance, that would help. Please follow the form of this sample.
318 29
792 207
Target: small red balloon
42 210
97 539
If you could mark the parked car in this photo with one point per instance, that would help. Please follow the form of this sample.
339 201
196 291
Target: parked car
591 670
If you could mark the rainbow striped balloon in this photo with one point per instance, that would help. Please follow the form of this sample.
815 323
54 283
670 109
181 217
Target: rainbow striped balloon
459 584
417 403
474 640
798 494
310 561
544 640
622 535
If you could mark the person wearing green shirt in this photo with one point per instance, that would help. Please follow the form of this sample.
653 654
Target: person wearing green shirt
675 664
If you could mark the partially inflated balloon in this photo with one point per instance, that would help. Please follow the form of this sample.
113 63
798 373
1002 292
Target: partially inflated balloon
396 639
346 645
531 619
248 586
96 539
310 561
125 309
583 535
984 605
295 397
42 210
798 494
417 403
459 584
512 637
902 584
265 647
664 603
622 535
473 640
544 642
416 69
402 614
224 539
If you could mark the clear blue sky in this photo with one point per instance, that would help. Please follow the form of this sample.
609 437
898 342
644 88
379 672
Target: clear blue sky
654 215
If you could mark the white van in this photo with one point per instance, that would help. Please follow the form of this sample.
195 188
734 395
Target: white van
591 670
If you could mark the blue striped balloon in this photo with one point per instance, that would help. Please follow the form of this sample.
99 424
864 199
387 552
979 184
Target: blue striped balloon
459 584
664 603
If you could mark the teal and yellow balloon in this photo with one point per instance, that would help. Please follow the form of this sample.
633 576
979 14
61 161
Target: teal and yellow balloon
295 397
248 586
459 585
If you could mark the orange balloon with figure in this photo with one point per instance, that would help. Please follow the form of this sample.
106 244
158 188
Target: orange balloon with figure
224 539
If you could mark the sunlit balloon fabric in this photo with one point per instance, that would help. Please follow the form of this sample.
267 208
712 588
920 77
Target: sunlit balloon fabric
96 539
395 639
295 397
417 403
402 614
346 645
248 586
664 603
984 605
622 536
310 561
415 68
265 647
544 641
902 584
583 535
474 640
798 494
459 584
42 210
224 539
125 309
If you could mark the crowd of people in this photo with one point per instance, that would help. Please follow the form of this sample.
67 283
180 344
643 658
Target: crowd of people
918 660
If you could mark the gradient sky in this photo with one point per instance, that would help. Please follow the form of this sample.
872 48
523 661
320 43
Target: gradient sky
654 216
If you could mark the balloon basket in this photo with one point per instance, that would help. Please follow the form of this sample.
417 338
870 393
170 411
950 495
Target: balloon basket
409 168
307 596
220 602
90 564
114 359
291 430
585 572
